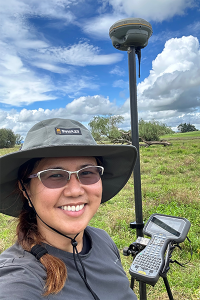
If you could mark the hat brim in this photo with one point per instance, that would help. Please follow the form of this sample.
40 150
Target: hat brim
118 162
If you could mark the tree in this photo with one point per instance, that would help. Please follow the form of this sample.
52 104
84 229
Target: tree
186 127
105 127
152 130
7 138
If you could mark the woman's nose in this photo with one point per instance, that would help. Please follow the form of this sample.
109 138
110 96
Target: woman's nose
73 188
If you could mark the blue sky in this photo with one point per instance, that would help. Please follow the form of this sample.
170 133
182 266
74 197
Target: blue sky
57 60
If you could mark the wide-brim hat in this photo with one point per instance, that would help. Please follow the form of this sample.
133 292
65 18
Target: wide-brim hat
61 138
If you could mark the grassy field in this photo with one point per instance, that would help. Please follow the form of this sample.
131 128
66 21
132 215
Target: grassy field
170 185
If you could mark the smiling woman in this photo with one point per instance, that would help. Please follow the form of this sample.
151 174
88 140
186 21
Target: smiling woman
55 185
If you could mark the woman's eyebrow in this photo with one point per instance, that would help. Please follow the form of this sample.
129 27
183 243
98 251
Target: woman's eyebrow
80 167
88 165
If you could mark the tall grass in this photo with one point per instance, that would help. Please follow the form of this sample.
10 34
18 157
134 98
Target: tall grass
170 185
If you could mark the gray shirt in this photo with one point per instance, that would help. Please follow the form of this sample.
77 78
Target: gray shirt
22 275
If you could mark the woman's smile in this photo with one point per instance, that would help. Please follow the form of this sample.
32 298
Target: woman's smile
73 207
73 211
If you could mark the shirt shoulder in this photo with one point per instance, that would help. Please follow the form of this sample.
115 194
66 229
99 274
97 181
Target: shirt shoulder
21 275
102 237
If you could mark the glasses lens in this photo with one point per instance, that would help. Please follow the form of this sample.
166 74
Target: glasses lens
54 179
90 175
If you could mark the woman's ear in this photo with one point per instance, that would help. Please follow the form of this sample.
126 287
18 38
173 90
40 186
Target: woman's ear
24 191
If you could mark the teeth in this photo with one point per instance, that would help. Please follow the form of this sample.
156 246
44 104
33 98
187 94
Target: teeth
73 207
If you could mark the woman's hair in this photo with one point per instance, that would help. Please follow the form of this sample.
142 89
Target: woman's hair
28 236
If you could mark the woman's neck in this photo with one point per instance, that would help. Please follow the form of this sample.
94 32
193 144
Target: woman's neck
59 241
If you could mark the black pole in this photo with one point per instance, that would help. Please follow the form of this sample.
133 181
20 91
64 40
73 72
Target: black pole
168 288
135 138
135 142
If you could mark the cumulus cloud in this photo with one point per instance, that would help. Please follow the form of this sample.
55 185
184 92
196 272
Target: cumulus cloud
171 93
81 109
92 105
174 81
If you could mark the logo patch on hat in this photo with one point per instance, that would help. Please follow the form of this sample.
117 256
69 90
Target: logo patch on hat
68 131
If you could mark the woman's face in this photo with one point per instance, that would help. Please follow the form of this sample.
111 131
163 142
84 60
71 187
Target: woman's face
55 206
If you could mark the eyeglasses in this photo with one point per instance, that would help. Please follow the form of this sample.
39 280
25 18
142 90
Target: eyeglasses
57 178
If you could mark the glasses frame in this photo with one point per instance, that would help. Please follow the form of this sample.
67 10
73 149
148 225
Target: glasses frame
37 175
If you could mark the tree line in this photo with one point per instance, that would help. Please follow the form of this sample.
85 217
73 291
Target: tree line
106 128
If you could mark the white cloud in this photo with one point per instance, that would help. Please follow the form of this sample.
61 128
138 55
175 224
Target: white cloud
12 63
81 109
91 105
98 27
151 10
20 85
25 52
174 81
80 54
50 67
23 37
56 9
169 94
117 71
121 84
30 44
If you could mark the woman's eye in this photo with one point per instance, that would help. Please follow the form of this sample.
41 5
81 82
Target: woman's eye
85 173
58 175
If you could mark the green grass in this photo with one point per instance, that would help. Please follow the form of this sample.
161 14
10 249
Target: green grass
193 134
170 179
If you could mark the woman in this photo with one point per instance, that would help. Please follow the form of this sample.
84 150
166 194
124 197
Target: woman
55 185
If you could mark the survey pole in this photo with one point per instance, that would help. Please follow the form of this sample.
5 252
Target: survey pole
135 142
135 139
132 35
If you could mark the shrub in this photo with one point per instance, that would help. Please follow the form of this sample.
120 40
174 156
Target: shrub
152 130
7 138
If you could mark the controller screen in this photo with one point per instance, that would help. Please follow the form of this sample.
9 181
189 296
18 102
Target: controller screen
166 225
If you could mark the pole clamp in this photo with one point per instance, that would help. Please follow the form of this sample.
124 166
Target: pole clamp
135 225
